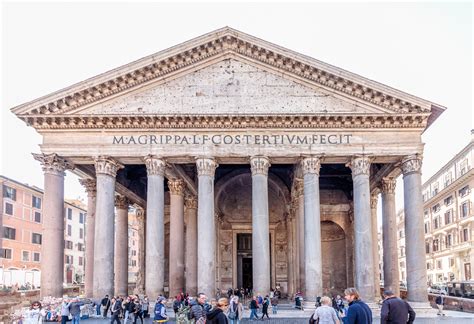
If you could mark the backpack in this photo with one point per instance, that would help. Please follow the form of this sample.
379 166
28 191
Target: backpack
232 313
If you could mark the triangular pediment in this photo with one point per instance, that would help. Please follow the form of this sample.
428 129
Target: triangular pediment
231 87
167 82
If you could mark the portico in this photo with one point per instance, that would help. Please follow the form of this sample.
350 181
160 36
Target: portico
240 154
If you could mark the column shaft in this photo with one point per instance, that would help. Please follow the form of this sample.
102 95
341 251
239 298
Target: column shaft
290 270
106 170
176 260
206 227
312 229
390 245
260 226
140 286
191 246
121 246
52 249
155 228
414 230
375 247
90 186
364 262
300 229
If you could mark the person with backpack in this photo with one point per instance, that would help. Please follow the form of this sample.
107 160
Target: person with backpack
265 304
253 308
236 311
160 311
105 302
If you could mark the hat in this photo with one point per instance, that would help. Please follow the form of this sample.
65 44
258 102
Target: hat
161 298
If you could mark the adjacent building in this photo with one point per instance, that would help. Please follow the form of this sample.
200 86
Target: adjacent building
21 235
448 220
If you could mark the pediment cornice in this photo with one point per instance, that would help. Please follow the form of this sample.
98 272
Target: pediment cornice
352 121
207 47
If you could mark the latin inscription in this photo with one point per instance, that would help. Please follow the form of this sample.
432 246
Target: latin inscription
233 139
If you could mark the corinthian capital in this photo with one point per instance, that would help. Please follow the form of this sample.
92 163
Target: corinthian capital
359 165
190 201
107 165
89 185
388 185
411 164
176 186
154 165
206 166
140 213
53 164
121 202
311 165
374 198
259 165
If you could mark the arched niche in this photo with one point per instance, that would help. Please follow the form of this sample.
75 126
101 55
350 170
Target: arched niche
333 248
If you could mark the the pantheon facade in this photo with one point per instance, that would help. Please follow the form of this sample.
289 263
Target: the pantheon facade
250 165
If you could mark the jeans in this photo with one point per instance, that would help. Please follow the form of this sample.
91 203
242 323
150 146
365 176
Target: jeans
253 313
274 309
127 314
97 308
76 318
234 321
115 318
64 319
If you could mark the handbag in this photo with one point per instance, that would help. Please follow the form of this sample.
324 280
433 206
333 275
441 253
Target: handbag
312 320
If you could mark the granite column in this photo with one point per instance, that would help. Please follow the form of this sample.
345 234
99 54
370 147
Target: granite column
90 185
121 246
191 245
375 247
176 259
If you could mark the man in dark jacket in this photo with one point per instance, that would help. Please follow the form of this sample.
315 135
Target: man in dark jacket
197 308
358 311
395 310
440 303
116 310
105 302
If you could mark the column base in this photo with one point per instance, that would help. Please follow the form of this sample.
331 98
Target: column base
309 305
423 309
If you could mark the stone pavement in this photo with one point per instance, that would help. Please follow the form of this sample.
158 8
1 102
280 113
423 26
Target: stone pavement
300 317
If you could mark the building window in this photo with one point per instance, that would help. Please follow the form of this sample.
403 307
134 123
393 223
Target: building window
436 222
464 191
465 235
465 208
36 257
80 247
451 262
69 259
448 178
8 208
36 202
448 201
6 253
428 265
449 240
9 233
9 192
435 189
69 213
427 227
25 256
37 217
439 264
36 238
436 208
81 218
68 245
80 261
464 166
435 245
448 217
401 234
69 230
81 233
427 247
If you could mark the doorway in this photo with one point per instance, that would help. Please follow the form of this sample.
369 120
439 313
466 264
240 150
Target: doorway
244 260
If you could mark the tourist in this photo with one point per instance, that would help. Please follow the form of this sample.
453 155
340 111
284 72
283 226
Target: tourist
265 304
137 310
253 308
299 301
160 311
129 307
274 302
339 304
105 305
325 314
176 305
197 308
358 311
65 311
116 310
35 314
395 310
236 311
217 315
440 303
145 307
75 309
